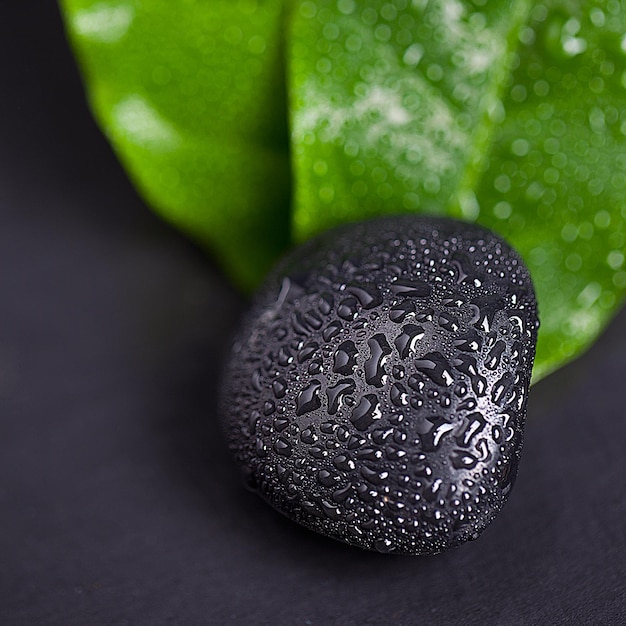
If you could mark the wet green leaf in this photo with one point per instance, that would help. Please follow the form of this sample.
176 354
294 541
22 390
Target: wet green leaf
500 112
555 185
511 113
393 105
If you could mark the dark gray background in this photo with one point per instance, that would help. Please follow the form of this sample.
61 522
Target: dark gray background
119 501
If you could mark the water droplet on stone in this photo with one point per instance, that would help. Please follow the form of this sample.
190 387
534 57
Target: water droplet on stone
492 361
398 372
308 399
337 392
469 404
260 448
380 435
383 545
401 311
310 507
327 479
315 367
369 454
448 322
374 368
406 342
332 330
282 447
331 511
284 357
414 288
280 423
462 459
307 351
473 424
355 442
348 308
432 438
471 342
279 387
326 303
368 297
366 412
343 462
501 389
342 494
308 435
345 358
435 366
256 380
300 325
374 476
398 395
468 365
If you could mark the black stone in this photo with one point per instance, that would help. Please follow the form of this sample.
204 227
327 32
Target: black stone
438 455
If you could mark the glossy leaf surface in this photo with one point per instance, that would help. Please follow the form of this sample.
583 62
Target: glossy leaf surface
504 113
512 114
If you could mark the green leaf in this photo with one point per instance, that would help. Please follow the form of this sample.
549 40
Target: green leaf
480 110
393 104
556 180
508 112
192 97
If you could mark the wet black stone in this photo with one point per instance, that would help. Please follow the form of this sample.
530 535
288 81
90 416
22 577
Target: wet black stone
325 429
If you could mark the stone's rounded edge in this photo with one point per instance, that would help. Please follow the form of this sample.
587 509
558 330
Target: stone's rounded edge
377 388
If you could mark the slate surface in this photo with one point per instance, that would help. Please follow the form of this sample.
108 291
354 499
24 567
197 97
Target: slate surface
119 503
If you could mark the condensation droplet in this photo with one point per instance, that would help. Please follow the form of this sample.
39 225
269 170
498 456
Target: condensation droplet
308 399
